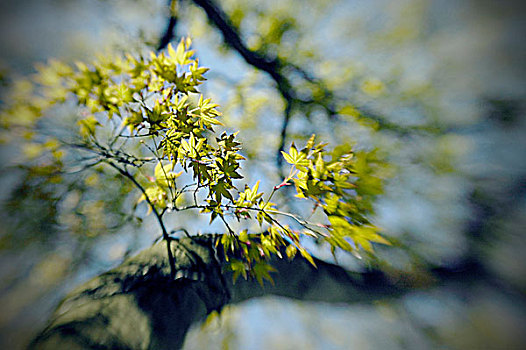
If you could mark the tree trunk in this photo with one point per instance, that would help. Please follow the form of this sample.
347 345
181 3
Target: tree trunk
138 306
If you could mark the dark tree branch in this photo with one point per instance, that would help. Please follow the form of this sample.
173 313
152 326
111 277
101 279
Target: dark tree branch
138 305
169 32
273 67
276 68
284 126
233 39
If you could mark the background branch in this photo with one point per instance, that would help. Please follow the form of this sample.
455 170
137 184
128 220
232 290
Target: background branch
169 32
276 68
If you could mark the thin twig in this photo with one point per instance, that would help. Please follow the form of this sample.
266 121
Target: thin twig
166 236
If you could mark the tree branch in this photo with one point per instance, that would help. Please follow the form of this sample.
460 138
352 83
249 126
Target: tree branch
276 68
284 126
273 67
139 306
169 32
232 38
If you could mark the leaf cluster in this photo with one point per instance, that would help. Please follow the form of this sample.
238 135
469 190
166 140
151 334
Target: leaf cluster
343 183
163 119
